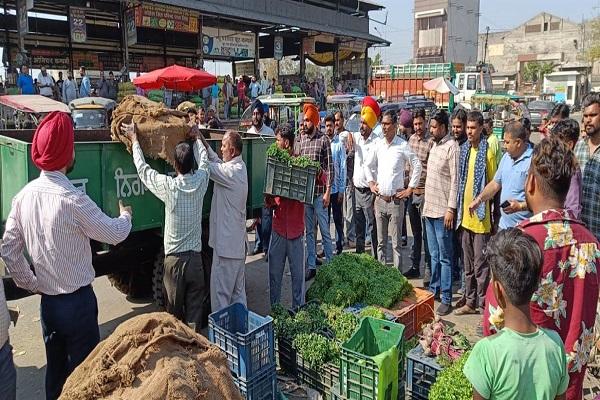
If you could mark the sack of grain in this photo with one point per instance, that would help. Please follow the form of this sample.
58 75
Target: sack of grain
159 129
152 357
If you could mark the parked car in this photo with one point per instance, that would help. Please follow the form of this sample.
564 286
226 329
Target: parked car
539 109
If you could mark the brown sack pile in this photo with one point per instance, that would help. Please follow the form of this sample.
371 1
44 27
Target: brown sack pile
159 129
152 357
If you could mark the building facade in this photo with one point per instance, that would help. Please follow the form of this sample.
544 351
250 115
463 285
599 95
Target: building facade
543 39
446 31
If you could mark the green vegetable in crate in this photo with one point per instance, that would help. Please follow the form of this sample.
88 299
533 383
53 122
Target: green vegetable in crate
315 349
371 311
283 156
451 383
342 324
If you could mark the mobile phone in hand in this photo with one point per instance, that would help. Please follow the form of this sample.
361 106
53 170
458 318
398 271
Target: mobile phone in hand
505 204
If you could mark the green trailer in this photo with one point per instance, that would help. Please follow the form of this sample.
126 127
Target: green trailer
105 171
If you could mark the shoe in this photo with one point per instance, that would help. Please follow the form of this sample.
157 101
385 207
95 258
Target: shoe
266 257
444 309
256 251
351 244
465 310
461 302
404 241
412 273
437 298
339 251
321 254
426 283
310 274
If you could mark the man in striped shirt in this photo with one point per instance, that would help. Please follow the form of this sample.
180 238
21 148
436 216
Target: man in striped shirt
53 221
184 278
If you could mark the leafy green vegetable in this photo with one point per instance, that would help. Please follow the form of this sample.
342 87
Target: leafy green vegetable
451 383
315 349
283 156
371 311
358 278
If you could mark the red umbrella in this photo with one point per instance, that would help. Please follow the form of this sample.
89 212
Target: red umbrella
175 77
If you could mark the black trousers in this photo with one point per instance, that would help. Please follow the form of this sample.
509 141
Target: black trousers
336 208
70 329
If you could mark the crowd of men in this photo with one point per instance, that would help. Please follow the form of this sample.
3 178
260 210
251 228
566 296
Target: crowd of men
67 90
447 173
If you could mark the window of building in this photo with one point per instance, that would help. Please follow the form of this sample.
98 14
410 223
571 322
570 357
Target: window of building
472 82
431 22
569 92
461 82
545 27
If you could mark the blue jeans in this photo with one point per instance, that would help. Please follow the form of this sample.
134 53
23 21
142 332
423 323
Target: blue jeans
322 215
8 374
440 242
70 330
292 250
263 231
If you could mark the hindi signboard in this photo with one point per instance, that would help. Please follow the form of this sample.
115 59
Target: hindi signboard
159 16
278 48
226 43
78 24
130 27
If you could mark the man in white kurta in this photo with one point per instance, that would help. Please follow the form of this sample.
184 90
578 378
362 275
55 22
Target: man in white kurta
228 222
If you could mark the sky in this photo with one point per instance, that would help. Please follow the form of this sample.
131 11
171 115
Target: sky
497 14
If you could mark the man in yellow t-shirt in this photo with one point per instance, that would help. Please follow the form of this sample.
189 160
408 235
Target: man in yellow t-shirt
477 167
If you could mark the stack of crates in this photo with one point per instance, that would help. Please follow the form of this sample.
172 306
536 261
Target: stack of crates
361 377
421 373
247 340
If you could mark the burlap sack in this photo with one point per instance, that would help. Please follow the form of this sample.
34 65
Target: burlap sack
159 129
152 357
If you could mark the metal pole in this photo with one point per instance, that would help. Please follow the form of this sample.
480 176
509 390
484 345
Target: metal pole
201 43
487 33
366 75
70 40
124 38
256 56
7 45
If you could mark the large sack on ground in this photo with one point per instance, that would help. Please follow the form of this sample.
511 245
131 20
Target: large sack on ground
152 357
159 129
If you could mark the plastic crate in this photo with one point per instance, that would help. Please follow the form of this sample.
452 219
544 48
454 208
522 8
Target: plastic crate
421 373
321 378
359 374
246 338
424 312
335 393
290 182
286 356
261 387
407 316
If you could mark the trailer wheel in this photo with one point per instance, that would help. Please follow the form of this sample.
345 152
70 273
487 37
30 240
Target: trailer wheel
120 281
157 279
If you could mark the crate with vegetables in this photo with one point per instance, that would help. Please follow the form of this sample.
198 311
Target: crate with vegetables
289 176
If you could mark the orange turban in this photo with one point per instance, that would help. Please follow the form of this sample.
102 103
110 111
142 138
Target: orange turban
312 113
53 142
370 111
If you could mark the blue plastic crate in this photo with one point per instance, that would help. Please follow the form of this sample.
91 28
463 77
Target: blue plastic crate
246 338
262 387
421 373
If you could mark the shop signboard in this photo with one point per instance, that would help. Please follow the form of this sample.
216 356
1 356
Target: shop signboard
78 24
308 45
50 58
245 68
227 43
130 27
278 48
159 16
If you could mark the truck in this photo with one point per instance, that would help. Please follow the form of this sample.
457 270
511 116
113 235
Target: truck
399 82
105 172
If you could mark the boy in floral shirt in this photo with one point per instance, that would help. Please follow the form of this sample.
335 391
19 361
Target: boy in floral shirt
521 361
566 298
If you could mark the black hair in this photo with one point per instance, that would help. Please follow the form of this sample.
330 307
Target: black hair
213 123
286 132
419 113
516 130
341 114
459 114
184 157
566 130
191 110
515 260
329 118
553 164
441 117
526 124
591 98
201 108
236 140
393 116
475 116
560 110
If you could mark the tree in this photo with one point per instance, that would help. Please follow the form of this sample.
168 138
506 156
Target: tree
377 60
535 71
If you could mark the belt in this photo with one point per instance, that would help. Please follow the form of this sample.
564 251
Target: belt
387 199
419 191
362 190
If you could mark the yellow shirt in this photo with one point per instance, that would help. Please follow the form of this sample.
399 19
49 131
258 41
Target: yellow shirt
472 222
494 145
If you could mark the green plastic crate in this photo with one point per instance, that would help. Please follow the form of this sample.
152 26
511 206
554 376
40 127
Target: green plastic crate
361 377
290 182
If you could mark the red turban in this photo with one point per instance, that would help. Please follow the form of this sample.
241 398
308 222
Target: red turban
370 111
53 142
368 101
312 113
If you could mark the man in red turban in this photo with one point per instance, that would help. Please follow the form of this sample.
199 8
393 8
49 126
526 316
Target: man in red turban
53 222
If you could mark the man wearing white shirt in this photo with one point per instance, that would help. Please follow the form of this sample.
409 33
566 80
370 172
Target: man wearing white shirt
45 83
258 125
264 84
385 173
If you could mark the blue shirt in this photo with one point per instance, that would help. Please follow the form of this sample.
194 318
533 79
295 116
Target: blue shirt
214 91
338 156
86 87
25 83
512 175
254 89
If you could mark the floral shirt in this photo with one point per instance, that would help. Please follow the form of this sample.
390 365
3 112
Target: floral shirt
566 298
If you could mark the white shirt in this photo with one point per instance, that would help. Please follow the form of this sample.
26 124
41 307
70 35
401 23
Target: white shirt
265 130
389 160
363 150
45 80
264 86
